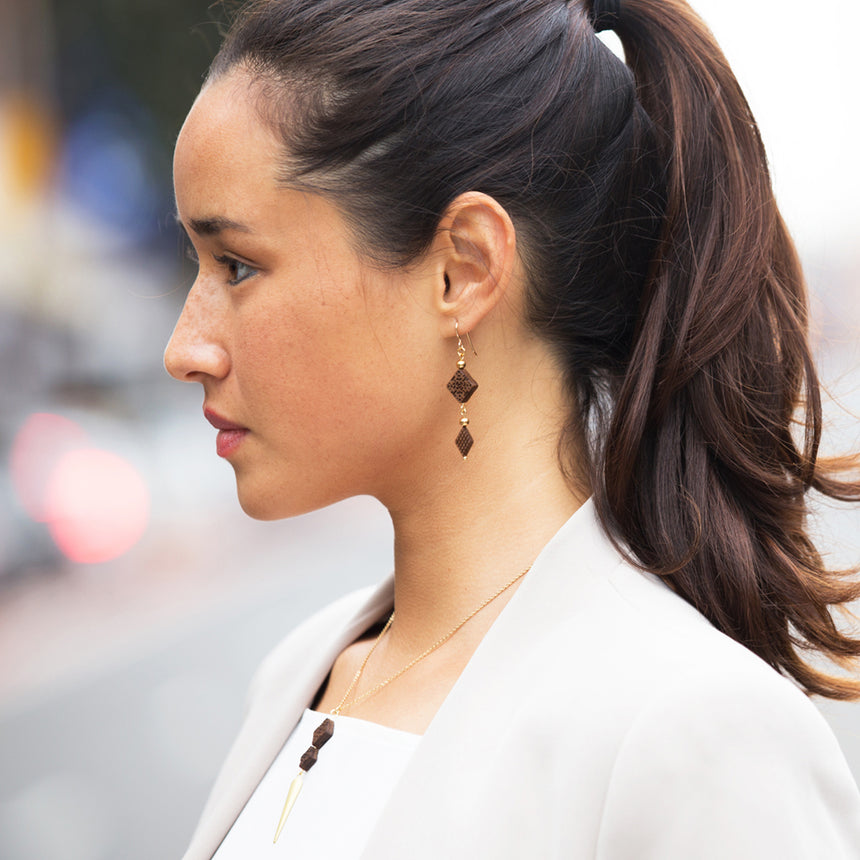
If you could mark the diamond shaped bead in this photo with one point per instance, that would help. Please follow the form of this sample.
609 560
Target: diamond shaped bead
464 441
462 386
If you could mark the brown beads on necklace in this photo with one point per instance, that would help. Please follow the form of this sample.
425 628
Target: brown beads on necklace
322 736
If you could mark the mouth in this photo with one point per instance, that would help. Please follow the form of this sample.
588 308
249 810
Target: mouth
230 435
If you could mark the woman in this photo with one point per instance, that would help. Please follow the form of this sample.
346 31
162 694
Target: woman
604 587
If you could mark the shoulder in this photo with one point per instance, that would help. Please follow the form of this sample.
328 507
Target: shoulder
712 713
695 746
737 708
724 757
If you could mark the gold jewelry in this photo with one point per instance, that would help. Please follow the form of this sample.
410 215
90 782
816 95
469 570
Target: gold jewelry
325 730
462 386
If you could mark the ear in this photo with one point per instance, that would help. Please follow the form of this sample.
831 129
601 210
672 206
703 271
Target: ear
475 255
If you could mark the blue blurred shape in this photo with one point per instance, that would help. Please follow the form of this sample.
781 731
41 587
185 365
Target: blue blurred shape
107 167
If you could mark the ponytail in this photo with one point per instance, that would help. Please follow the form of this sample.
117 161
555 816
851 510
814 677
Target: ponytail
659 270
703 478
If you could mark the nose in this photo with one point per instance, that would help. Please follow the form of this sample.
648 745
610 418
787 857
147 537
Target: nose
195 349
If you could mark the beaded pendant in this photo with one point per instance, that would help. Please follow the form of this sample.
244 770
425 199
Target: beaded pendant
322 735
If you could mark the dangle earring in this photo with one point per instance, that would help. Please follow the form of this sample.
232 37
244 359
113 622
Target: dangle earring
462 386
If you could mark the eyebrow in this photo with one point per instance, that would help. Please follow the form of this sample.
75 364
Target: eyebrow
215 225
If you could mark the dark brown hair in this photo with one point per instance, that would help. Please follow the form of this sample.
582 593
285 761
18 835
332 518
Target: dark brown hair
660 270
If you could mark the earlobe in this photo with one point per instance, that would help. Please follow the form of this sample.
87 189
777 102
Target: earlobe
477 243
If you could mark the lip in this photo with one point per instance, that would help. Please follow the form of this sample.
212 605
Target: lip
230 435
220 423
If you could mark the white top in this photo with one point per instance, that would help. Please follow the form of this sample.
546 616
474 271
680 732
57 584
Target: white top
342 796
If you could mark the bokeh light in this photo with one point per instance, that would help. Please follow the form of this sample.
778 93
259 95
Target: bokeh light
26 145
105 169
37 449
97 505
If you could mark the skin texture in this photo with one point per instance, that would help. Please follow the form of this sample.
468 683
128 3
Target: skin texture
338 370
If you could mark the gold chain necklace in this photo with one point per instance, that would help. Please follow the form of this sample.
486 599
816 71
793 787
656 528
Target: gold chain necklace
325 730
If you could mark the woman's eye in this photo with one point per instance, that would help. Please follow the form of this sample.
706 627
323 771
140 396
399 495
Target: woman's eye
237 270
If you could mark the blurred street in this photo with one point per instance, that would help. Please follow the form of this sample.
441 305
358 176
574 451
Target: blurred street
113 733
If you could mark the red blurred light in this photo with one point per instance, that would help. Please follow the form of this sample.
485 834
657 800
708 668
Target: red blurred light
38 446
97 505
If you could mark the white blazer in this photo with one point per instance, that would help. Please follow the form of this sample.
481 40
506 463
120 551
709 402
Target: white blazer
601 717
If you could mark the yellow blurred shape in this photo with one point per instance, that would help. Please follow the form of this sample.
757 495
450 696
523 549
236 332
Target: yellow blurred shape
27 144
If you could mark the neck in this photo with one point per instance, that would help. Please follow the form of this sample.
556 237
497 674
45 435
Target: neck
443 574
481 522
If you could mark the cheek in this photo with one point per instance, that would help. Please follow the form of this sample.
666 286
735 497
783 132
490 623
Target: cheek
267 367
342 369
311 365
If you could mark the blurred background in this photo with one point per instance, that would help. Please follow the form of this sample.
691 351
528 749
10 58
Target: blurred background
135 597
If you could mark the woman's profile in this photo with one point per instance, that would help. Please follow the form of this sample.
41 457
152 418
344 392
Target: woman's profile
541 304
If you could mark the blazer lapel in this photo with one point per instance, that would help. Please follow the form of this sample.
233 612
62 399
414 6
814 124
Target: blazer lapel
308 656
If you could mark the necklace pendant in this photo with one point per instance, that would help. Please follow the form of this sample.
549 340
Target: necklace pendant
292 796
322 735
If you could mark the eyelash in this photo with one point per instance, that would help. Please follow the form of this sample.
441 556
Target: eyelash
230 263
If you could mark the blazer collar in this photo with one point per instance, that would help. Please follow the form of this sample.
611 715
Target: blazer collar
571 566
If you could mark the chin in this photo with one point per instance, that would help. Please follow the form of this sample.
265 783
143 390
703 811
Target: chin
266 509
261 512
267 505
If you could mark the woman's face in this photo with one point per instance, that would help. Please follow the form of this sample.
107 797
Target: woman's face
331 372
